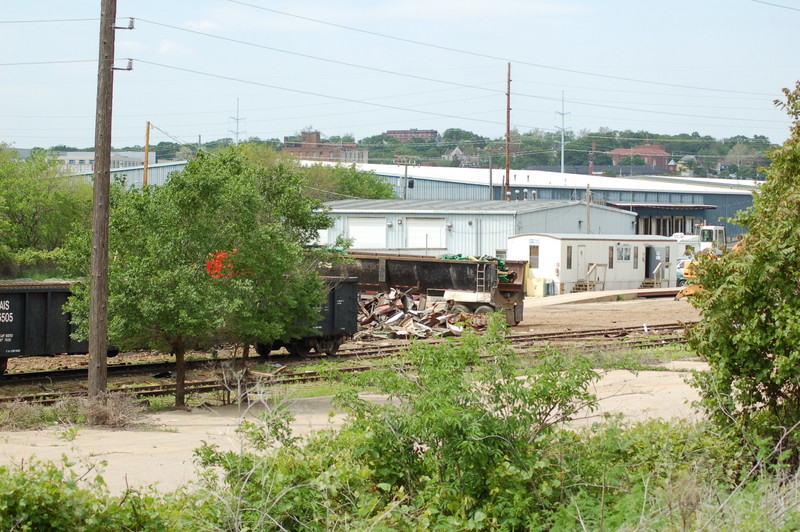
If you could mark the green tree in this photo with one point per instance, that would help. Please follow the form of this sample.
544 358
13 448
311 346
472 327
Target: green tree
253 222
382 148
635 160
750 332
39 205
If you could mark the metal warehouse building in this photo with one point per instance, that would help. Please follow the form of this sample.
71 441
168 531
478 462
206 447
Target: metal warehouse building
664 205
470 228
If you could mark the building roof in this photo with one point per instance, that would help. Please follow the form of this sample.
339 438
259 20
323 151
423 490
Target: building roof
538 178
454 207
673 206
642 149
591 236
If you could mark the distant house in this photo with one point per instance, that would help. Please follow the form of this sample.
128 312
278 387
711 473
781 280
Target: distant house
312 148
653 154
457 154
453 153
405 135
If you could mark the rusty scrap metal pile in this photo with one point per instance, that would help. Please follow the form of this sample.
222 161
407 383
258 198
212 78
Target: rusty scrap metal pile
396 314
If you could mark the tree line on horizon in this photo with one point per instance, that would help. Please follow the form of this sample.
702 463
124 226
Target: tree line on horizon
737 156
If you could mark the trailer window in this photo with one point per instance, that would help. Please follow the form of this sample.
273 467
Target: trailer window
569 257
533 257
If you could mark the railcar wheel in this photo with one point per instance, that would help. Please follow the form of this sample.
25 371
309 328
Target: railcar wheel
329 346
263 350
299 349
332 345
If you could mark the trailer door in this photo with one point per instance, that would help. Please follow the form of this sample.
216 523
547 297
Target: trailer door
367 232
581 263
425 233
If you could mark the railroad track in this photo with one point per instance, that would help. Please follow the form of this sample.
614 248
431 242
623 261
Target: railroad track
119 370
529 343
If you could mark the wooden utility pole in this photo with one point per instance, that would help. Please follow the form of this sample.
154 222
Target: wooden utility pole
146 154
508 136
98 289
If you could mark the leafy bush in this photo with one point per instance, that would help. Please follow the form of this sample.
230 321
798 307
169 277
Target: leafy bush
461 443
43 496
750 332
621 474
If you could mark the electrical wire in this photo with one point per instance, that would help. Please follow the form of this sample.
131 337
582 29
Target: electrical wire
48 20
327 60
309 93
50 62
776 5
487 56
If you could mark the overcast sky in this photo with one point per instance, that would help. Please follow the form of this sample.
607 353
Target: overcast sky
362 67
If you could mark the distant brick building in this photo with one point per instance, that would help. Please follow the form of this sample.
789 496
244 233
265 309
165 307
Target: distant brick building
311 148
405 135
653 154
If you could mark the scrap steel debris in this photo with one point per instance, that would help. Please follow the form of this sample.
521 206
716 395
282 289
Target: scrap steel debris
397 314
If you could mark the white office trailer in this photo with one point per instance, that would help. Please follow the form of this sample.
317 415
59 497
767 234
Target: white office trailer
565 263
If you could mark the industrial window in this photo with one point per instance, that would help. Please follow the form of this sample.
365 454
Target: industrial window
624 252
533 261
610 257
569 257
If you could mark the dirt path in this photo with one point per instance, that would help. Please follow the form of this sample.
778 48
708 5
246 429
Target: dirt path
164 456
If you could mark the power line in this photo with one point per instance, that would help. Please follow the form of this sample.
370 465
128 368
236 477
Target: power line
49 20
327 60
461 117
487 56
179 141
309 93
412 76
776 5
50 62
385 71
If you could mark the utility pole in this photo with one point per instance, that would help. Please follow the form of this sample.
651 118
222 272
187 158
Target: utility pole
588 210
98 289
491 185
562 113
146 154
508 136
406 161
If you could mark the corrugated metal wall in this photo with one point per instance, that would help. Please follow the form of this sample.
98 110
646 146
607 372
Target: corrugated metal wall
572 219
